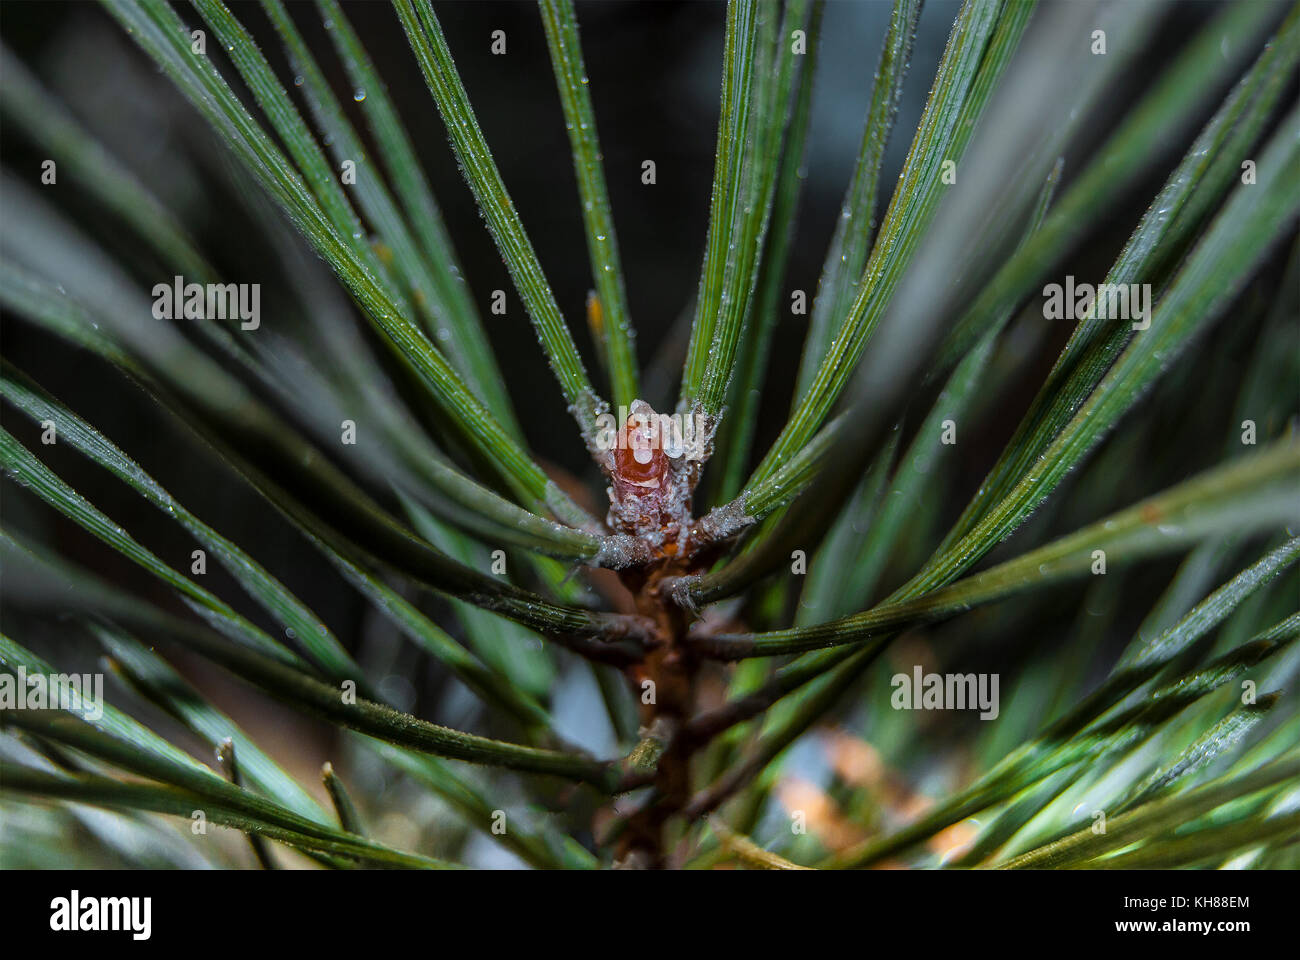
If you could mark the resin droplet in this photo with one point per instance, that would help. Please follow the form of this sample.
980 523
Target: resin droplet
642 492
639 461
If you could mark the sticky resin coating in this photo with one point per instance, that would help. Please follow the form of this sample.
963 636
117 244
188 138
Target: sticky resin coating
642 491
639 460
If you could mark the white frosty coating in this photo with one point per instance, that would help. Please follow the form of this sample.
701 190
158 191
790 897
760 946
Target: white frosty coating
622 550
725 520
680 590
634 516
